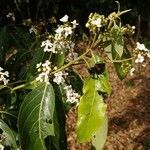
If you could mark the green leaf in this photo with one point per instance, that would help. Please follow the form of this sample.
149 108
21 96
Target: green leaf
7 133
122 68
21 37
60 139
38 55
59 59
75 80
36 118
108 51
104 84
117 39
119 48
91 111
100 137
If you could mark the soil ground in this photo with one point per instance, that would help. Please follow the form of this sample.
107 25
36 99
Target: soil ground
128 112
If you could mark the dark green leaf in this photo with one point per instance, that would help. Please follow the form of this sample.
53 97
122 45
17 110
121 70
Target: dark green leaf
91 111
36 118
38 55
60 139
75 80
8 135
21 38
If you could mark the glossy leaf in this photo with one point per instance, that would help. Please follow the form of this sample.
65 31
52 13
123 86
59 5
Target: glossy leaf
104 84
60 139
91 111
38 55
122 68
100 137
36 118
9 137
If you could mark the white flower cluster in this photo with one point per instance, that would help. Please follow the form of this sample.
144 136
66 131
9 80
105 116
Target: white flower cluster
72 96
60 41
139 59
95 21
3 76
143 55
48 46
59 77
141 47
128 30
44 70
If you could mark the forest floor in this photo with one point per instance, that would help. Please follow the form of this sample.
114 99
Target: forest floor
128 113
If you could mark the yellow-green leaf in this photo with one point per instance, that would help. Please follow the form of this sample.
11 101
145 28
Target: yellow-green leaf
91 111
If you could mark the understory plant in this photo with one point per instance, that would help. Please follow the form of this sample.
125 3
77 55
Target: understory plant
44 73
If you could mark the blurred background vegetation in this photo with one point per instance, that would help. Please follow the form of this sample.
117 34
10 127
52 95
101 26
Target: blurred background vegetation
76 9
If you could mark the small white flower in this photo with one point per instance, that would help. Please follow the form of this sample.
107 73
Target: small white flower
74 23
132 71
1 69
133 27
97 22
68 31
59 31
38 65
55 68
141 47
59 77
44 70
3 76
33 30
64 19
139 59
47 46
71 95
11 15
46 64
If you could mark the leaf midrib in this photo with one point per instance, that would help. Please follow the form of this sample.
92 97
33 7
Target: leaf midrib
40 136
91 106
